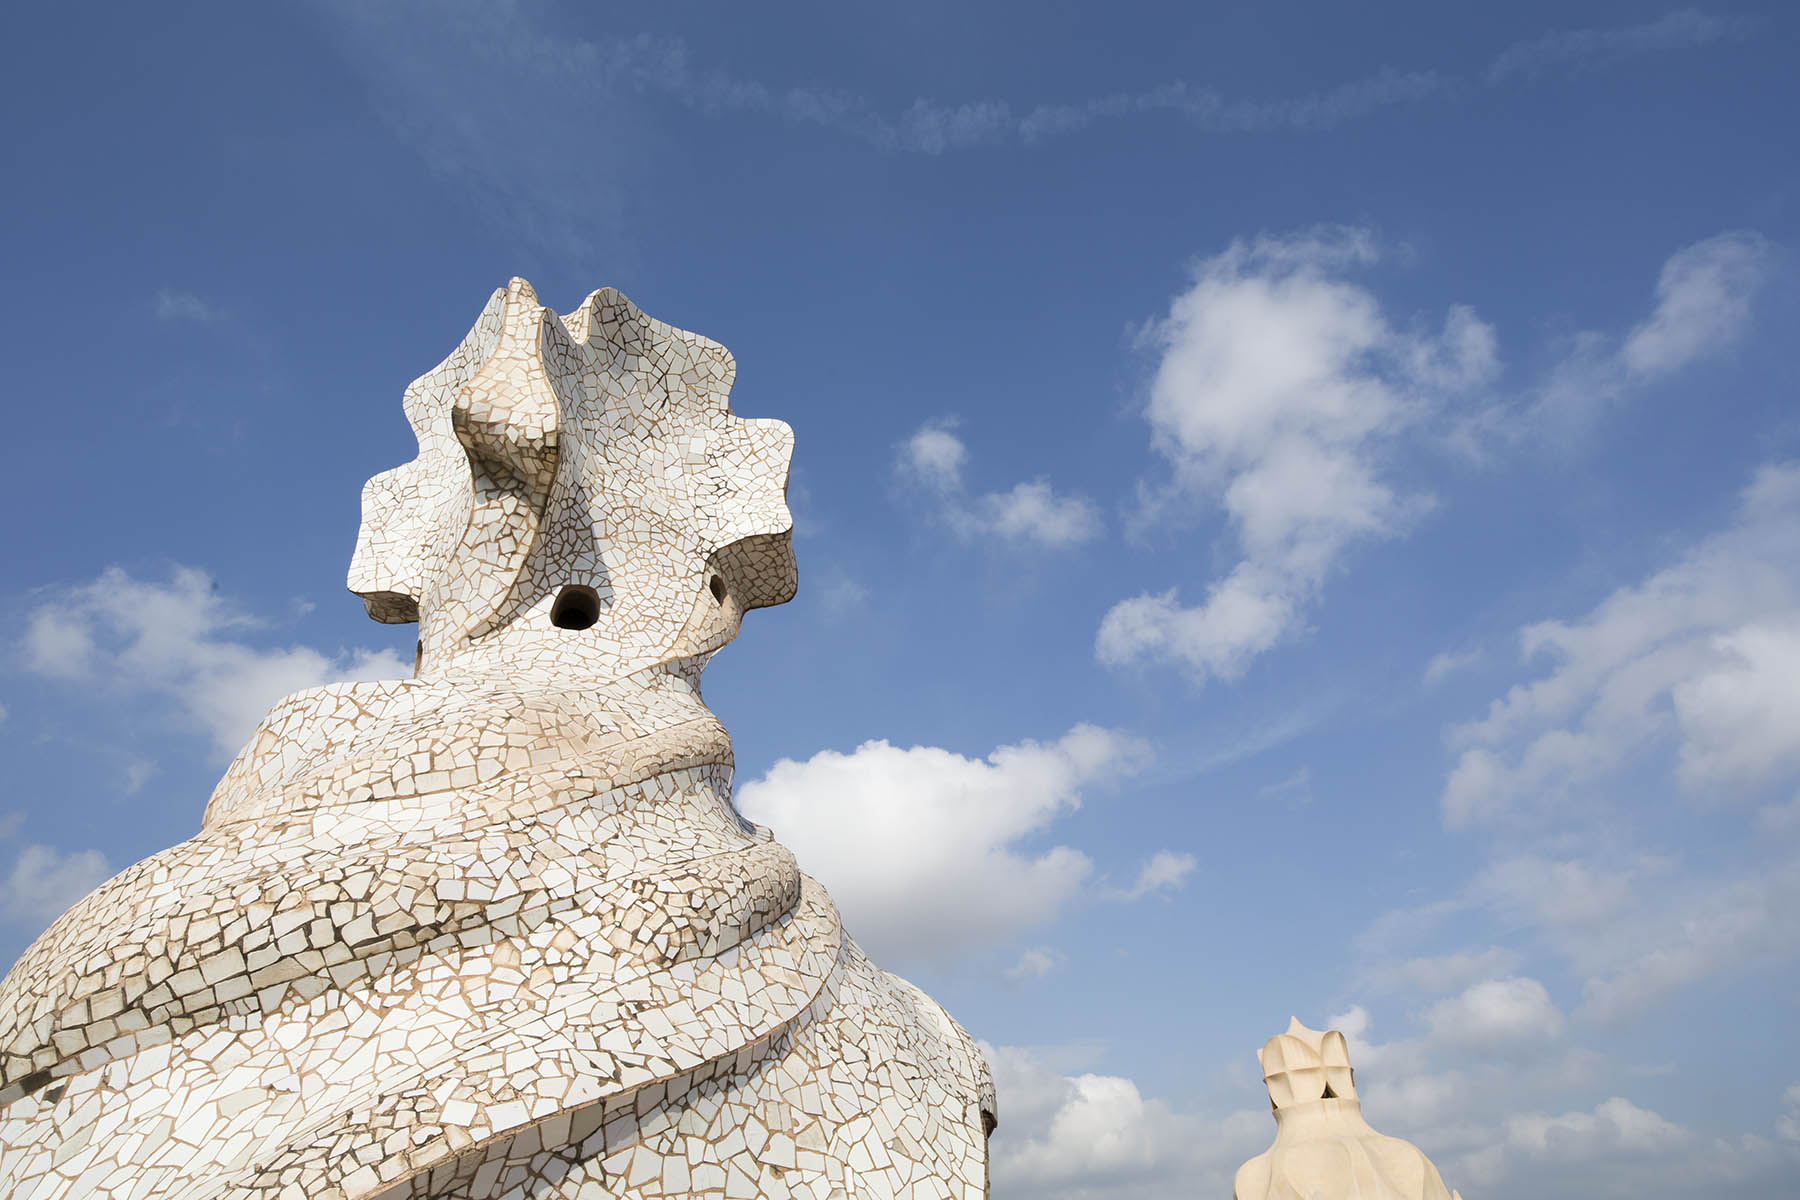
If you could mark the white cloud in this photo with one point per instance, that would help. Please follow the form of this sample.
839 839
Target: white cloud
1787 1125
1481 1092
1476 1094
170 304
1633 928
182 642
1491 1049
1699 928
1486 1112
1436 974
1280 386
1703 307
1640 929
138 772
1091 1136
1783 817
1495 1013
1244 615
1162 873
1614 1125
1295 789
923 849
1741 720
1702 303
43 881
1035 963
1564 892
1353 1023
1686 655
1621 1149
1033 512
1103 1130
934 458
1447 663
1283 392
839 594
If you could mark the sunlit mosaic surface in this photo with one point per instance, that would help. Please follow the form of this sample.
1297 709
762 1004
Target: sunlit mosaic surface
497 930
1323 1146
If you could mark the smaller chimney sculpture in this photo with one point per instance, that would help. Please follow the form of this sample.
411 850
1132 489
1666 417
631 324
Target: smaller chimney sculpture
1323 1149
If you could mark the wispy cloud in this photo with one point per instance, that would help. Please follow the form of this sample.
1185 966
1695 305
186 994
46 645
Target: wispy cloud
533 127
1705 652
663 66
1209 110
1640 929
1241 740
1449 662
1162 873
933 128
1438 973
489 96
1293 789
43 881
138 772
1583 49
840 594
1787 1126
1034 963
1682 681
170 304
1632 928
1703 307
1483 1092
1703 298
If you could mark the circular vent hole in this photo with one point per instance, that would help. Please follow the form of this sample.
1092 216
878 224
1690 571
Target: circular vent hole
718 589
576 607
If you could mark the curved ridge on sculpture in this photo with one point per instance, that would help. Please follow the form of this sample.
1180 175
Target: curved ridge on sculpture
497 929
1324 1149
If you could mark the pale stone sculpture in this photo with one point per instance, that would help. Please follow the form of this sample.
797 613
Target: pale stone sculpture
1323 1149
497 930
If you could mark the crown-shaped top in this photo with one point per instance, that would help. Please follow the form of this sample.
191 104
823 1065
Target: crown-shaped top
1323 1146
581 474
1306 1065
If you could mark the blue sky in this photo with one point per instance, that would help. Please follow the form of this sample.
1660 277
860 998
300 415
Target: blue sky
1298 506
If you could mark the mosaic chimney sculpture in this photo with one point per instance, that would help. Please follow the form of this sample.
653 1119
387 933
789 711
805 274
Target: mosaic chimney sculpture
497 930
1323 1149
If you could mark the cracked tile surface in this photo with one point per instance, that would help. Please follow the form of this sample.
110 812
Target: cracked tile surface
497 930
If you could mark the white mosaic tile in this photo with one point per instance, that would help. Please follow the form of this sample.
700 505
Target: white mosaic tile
497 930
